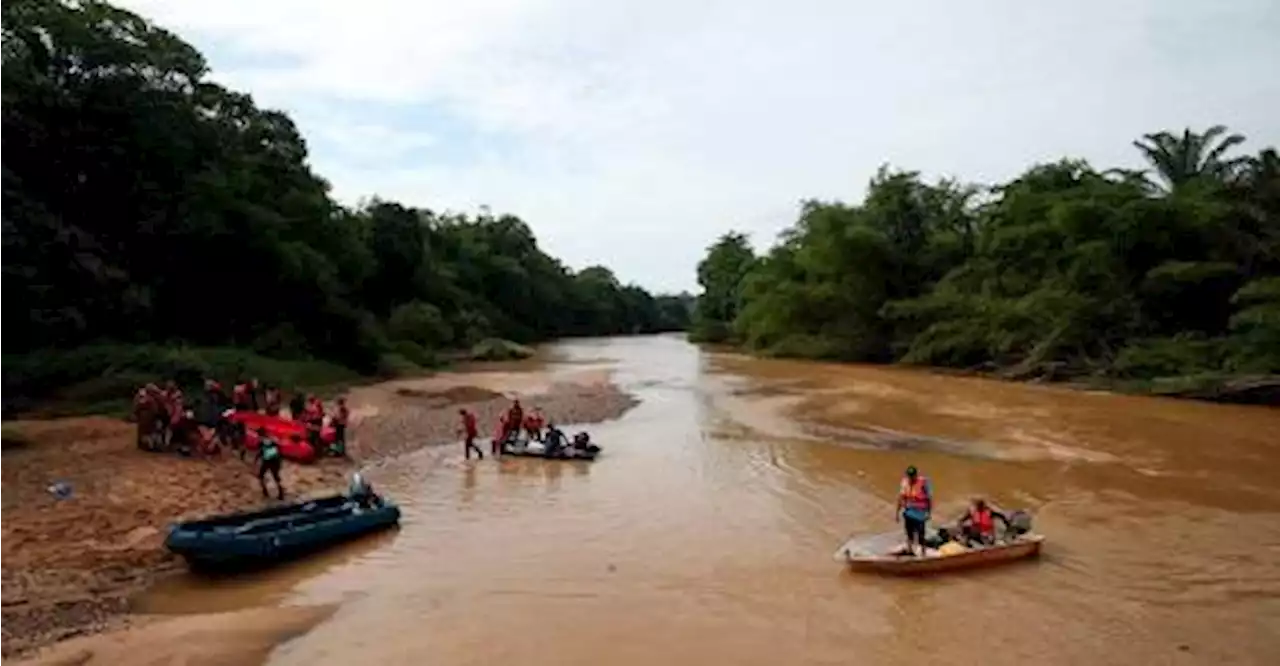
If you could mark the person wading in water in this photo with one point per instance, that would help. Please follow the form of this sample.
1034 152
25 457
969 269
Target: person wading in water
469 431
269 461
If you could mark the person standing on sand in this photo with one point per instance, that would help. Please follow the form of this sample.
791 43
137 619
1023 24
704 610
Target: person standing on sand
297 405
271 398
269 461
469 432
255 394
915 503
341 416
315 420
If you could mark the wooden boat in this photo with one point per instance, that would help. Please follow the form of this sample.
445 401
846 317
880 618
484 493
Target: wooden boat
265 537
932 562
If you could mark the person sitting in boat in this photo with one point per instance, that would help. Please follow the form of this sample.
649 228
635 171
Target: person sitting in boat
555 440
361 491
269 460
582 444
915 503
978 525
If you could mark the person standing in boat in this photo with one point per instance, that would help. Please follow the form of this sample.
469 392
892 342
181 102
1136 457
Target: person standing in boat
469 431
269 461
978 524
915 503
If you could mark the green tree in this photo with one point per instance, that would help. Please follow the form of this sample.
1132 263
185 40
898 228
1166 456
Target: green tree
720 274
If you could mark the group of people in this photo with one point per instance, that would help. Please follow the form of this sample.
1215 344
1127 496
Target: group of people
976 527
168 421
511 423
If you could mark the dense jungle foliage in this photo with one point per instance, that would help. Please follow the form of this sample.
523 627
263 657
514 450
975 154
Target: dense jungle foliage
1170 274
146 205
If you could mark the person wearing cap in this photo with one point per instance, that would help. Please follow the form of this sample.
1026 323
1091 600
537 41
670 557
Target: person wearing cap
915 502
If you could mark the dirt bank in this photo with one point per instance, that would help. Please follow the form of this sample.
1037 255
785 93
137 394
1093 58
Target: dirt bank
70 565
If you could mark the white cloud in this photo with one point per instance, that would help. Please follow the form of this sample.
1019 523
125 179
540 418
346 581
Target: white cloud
633 134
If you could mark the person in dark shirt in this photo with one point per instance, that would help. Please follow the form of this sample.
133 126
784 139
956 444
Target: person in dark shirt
269 461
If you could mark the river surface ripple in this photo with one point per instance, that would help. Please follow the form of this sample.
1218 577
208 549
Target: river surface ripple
704 534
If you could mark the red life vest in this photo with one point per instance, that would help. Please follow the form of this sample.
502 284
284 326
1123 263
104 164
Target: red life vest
982 520
469 424
915 495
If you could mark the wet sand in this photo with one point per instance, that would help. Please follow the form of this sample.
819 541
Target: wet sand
214 639
70 566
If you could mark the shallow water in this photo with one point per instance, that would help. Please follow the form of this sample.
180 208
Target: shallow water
704 534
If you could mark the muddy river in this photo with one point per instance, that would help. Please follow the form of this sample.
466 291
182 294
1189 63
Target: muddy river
704 534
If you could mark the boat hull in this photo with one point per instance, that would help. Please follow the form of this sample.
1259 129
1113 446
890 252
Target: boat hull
589 456
264 538
973 558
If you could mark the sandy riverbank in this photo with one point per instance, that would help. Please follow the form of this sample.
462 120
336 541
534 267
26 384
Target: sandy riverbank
70 566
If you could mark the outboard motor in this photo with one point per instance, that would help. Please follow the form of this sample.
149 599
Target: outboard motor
1019 523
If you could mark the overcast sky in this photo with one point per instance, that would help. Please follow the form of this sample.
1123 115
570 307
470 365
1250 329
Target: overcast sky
633 133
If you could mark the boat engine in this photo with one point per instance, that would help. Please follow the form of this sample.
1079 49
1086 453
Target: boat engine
1019 523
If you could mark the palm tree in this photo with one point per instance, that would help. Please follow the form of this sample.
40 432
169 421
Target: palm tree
1182 159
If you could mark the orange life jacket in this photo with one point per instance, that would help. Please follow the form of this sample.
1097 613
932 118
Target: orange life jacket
982 520
915 495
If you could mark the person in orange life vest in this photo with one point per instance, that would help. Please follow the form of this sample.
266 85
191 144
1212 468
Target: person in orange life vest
915 503
314 418
240 396
533 425
144 412
341 416
515 419
978 524
469 431
500 435
215 395
271 399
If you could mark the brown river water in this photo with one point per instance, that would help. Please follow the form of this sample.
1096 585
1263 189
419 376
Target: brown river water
705 533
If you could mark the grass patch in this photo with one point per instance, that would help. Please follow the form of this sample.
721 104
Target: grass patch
496 349
103 378
11 439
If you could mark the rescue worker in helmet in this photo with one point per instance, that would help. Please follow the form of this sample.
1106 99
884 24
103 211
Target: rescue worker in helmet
978 526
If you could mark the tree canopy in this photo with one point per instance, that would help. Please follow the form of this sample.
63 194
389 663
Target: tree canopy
144 203
1064 271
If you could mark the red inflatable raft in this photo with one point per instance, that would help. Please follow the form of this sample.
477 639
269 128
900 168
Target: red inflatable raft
291 435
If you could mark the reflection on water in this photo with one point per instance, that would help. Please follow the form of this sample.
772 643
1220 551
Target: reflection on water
704 533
